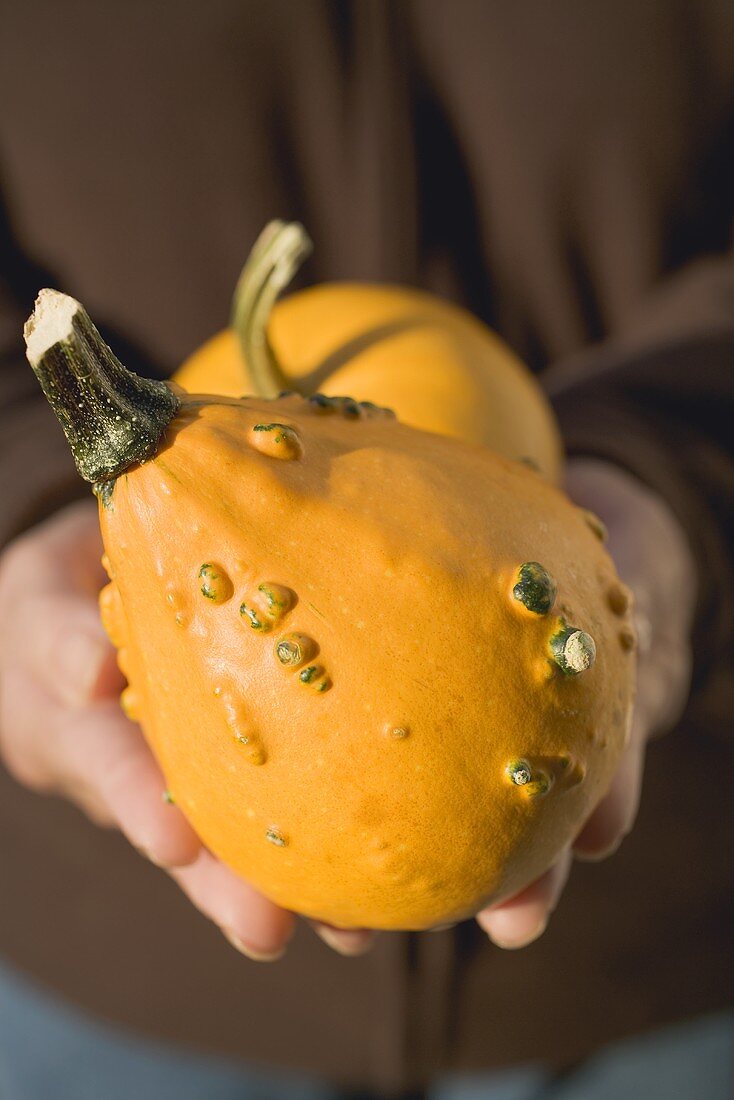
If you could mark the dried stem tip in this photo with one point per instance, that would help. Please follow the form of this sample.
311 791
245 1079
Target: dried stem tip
111 417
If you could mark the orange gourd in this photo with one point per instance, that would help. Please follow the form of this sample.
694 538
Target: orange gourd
386 673
434 364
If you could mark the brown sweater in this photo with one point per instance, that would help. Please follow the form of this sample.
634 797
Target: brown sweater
565 170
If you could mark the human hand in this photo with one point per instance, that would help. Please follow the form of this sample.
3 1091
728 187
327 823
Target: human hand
652 556
62 730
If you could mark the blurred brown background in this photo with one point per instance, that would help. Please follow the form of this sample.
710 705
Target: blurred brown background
566 171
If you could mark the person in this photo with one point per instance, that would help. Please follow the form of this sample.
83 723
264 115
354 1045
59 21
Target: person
566 173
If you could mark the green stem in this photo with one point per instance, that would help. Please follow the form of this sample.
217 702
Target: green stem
111 417
276 256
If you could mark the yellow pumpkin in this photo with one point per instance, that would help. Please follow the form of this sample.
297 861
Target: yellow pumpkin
387 674
435 364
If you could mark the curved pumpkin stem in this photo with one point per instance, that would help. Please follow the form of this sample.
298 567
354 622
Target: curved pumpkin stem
111 417
276 256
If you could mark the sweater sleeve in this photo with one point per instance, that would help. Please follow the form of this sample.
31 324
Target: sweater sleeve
37 473
658 400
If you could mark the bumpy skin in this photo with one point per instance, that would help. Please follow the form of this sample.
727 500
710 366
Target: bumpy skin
446 758
438 367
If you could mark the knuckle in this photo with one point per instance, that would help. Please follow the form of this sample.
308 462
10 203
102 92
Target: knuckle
100 816
89 802
11 572
19 560
21 766
19 747
123 769
19 569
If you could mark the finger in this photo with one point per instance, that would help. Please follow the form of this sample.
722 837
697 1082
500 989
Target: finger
49 583
63 552
350 942
614 817
73 542
103 749
253 925
100 760
60 637
91 803
664 680
523 918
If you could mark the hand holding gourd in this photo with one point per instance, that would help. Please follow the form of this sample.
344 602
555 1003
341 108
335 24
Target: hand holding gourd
534 631
63 732
465 675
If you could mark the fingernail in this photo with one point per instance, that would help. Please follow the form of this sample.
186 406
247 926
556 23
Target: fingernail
525 941
80 659
250 951
345 941
599 854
